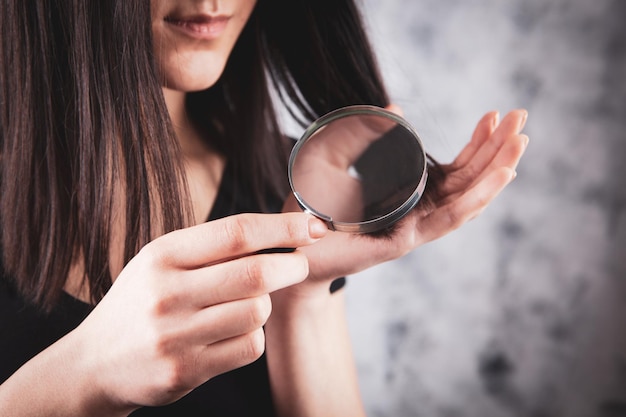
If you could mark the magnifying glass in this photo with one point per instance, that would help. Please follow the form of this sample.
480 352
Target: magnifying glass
359 168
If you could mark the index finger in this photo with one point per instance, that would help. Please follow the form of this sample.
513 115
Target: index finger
236 236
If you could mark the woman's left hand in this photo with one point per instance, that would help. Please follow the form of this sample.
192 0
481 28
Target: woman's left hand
477 175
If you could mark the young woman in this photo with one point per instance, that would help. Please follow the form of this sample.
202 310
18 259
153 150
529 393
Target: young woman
125 126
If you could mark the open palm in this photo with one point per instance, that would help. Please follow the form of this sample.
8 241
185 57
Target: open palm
477 175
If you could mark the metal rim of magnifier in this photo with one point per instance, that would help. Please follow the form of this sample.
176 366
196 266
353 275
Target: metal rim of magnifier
378 223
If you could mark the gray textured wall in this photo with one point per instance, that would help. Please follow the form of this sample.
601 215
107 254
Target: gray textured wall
522 312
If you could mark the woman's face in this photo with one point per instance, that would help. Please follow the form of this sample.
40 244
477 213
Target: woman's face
193 39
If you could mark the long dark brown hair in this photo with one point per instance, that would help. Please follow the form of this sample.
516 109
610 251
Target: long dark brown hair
82 109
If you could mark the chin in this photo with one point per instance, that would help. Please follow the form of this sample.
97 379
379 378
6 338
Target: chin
190 84
195 80
191 87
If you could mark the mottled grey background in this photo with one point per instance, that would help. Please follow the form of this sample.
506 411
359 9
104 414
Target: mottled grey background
522 312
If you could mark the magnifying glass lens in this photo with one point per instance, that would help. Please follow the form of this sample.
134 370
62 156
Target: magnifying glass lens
360 168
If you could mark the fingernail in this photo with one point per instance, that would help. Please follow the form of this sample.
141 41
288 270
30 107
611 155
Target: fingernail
525 140
494 120
317 228
513 175
523 121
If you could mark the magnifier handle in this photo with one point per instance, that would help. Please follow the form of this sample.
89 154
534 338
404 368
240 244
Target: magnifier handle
275 250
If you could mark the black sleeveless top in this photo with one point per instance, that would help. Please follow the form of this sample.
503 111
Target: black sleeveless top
25 331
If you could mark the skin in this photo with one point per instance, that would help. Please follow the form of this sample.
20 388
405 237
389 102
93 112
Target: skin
308 326
192 304
190 64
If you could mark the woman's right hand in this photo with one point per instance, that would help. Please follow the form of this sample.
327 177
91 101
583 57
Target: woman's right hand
191 305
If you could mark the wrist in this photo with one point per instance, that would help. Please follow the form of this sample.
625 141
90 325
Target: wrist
303 296
65 385
85 377
312 302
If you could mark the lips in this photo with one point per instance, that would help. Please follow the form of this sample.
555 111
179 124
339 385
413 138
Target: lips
202 26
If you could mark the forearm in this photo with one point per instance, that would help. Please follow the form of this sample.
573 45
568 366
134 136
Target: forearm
312 369
54 383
